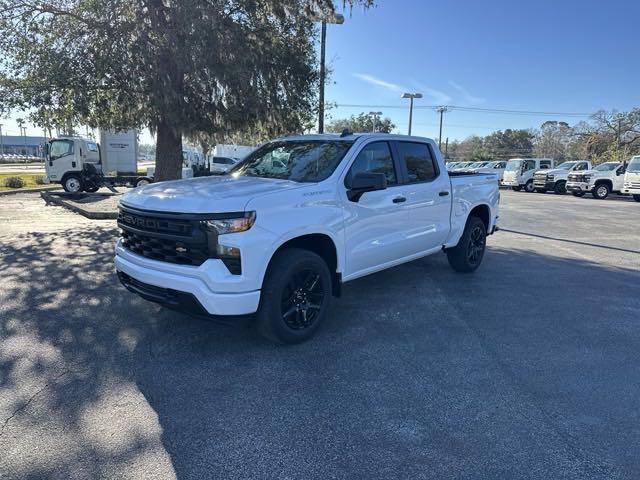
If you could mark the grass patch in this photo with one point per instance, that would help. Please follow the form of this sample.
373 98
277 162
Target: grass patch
30 180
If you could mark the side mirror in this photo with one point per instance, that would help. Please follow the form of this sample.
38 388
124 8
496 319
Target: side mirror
365 182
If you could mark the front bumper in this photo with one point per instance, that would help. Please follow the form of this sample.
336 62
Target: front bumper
631 190
509 183
579 187
544 184
186 287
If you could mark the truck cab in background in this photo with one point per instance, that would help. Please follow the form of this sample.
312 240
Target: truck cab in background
631 182
600 181
518 173
556 179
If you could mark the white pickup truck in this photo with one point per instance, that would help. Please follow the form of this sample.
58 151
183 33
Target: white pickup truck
600 181
296 219
631 183
556 178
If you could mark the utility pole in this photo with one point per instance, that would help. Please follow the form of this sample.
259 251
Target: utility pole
23 131
375 116
446 149
441 110
411 96
339 20
1 143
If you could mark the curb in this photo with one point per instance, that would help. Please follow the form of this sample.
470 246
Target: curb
28 190
55 200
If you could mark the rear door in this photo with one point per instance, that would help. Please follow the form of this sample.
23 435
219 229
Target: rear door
428 196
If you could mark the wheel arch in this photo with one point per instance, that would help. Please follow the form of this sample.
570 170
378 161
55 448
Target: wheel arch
483 212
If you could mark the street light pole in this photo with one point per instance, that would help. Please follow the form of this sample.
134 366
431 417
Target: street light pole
375 119
411 96
441 110
339 20
1 143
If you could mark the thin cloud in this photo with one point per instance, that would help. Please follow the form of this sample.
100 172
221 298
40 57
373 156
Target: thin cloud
465 94
393 87
439 97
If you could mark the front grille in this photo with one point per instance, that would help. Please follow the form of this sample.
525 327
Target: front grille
635 184
165 250
173 238
577 177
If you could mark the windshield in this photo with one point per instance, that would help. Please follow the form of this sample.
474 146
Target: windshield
60 148
634 165
566 166
513 165
299 161
607 167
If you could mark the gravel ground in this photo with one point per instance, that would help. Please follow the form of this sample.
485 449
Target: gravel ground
530 368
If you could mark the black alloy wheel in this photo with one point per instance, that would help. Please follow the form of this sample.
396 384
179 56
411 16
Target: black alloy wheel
302 299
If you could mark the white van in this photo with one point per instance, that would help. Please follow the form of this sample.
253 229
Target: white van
632 179
518 173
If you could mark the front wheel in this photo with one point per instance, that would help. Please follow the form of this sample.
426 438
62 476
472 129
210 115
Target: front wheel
560 187
467 256
601 191
636 198
528 187
295 296
72 184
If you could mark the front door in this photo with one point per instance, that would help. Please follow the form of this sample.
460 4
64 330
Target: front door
375 225
61 159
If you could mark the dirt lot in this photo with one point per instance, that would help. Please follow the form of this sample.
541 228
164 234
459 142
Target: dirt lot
529 368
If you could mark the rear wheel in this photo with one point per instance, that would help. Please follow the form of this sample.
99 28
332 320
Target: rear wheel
295 296
528 187
577 194
601 191
636 198
467 256
72 184
560 187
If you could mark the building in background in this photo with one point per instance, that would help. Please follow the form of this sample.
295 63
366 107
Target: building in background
19 145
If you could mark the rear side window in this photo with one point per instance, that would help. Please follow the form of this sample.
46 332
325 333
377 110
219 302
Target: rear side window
418 160
545 164
582 166
375 158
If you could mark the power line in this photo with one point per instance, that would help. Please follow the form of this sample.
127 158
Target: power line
470 109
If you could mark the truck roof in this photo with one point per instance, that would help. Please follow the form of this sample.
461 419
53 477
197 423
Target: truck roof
351 136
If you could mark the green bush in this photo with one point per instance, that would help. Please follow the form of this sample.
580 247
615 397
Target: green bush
13 182
39 179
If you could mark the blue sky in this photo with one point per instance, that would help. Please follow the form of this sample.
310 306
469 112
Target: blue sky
552 56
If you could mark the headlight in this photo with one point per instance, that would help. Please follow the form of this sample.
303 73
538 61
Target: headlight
550 177
232 224
586 178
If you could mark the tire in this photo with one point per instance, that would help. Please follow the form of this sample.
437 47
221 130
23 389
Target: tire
636 198
560 188
541 190
72 184
516 189
528 187
296 281
141 182
601 191
467 256
577 194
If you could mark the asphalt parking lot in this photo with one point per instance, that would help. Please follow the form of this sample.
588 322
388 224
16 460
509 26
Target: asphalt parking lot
530 368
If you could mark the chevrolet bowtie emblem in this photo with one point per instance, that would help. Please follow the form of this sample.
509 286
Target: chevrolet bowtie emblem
181 249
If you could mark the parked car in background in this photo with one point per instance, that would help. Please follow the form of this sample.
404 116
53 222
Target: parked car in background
600 181
556 179
461 166
492 167
451 165
518 173
281 237
222 164
631 184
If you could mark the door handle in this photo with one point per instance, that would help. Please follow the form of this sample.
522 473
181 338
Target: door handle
443 194
399 200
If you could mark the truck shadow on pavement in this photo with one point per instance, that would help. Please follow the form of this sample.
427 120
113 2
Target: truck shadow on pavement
528 368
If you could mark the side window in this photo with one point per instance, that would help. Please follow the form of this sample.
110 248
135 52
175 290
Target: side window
375 158
92 147
530 165
417 157
545 164
501 165
581 166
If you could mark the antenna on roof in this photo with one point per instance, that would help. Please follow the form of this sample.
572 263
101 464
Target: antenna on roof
346 132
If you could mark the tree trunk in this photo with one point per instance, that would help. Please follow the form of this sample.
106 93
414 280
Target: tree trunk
168 153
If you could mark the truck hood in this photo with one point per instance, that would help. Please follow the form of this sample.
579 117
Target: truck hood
555 171
215 194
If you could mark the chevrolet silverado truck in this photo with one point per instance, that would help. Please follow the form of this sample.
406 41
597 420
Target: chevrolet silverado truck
300 216
599 181
556 179
631 183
